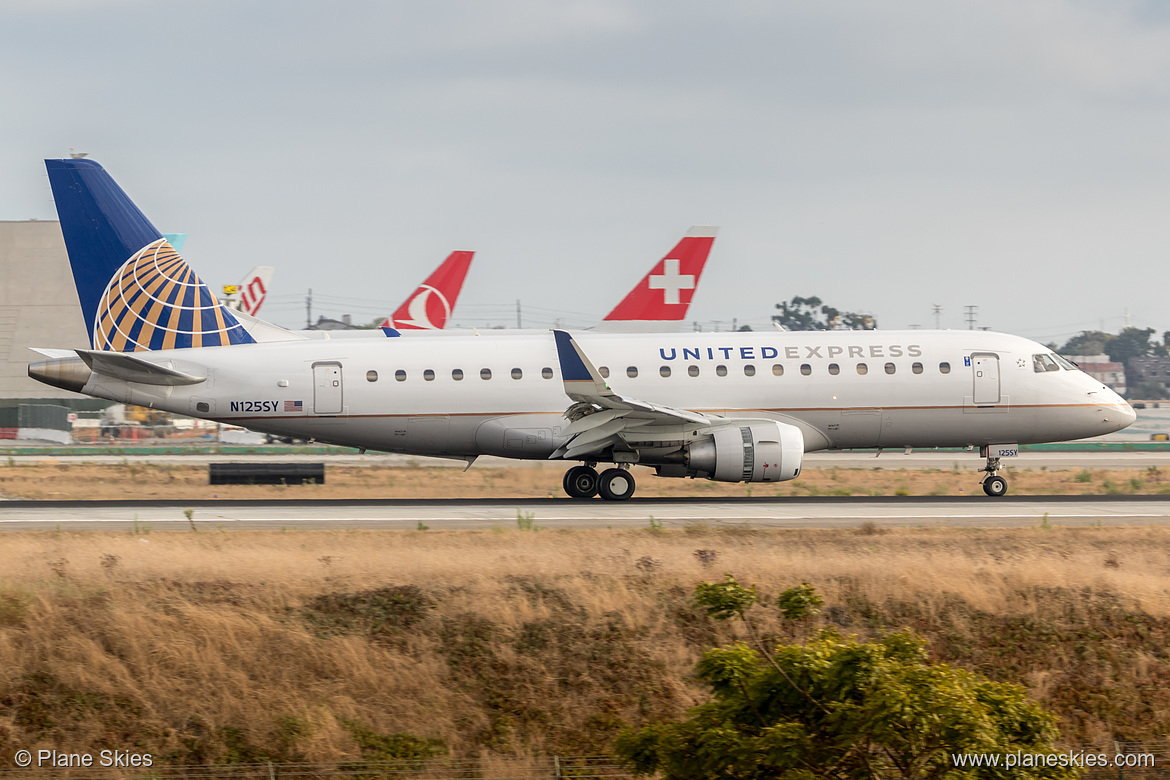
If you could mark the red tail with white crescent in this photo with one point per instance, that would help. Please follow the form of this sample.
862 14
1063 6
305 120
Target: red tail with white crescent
430 306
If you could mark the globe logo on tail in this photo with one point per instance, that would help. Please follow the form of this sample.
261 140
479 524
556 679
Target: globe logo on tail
155 301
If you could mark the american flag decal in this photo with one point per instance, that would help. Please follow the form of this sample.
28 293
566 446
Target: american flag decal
294 406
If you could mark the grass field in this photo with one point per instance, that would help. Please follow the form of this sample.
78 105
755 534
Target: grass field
312 645
51 479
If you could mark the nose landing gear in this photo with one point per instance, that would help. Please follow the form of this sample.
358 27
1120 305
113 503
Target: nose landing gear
583 482
993 484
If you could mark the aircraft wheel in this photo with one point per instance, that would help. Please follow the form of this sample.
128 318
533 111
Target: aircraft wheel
995 486
580 482
616 484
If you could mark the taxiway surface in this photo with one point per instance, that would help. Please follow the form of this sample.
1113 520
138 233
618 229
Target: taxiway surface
820 512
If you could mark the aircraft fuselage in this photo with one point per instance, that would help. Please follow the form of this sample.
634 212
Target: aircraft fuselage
461 396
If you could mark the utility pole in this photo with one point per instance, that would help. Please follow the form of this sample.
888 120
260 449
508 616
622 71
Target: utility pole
309 309
518 325
971 316
937 312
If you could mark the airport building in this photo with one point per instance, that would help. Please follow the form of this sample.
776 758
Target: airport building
38 308
1149 369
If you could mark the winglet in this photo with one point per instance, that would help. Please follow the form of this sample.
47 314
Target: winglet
582 380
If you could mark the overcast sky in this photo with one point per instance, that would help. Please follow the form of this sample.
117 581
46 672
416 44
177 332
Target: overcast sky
885 156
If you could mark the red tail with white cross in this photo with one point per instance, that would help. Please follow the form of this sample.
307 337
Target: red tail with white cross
664 294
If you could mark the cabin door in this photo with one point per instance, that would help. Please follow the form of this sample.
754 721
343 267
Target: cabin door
327 388
985 375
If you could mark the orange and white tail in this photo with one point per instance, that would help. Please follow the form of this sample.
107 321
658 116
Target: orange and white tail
663 297
430 306
251 292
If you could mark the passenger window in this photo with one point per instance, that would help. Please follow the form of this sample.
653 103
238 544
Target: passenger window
457 374
604 371
632 372
944 368
664 371
546 372
517 373
429 375
749 370
778 370
485 373
721 370
1042 363
834 369
862 369
400 375
891 368
805 369
693 370
371 376
916 368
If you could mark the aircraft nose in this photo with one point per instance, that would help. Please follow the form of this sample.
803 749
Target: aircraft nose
1125 414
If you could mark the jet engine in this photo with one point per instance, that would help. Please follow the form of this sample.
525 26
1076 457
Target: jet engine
760 452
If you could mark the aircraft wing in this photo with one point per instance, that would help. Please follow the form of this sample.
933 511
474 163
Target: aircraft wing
601 419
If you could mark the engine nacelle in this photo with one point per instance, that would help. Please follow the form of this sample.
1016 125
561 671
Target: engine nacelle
760 452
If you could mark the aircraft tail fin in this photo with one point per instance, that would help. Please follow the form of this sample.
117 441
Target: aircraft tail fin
430 306
250 293
663 297
136 292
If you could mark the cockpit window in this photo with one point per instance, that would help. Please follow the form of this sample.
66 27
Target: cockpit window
1066 364
1042 363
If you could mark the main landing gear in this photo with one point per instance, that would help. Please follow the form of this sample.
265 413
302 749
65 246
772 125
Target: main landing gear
613 484
993 484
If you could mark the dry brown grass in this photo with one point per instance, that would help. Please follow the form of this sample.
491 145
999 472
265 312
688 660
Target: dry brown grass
62 480
211 646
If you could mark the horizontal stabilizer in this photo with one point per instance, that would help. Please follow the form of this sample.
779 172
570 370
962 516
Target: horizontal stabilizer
125 366
55 353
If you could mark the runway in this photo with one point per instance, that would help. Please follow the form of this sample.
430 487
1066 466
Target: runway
893 460
461 514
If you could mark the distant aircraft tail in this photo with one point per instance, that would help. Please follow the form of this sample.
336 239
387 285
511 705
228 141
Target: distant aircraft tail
136 292
430 306
249 294
664 295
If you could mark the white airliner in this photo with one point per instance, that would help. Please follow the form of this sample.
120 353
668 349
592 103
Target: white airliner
738 407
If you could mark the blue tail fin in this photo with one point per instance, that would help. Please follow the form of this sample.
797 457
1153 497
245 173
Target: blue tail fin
136 292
